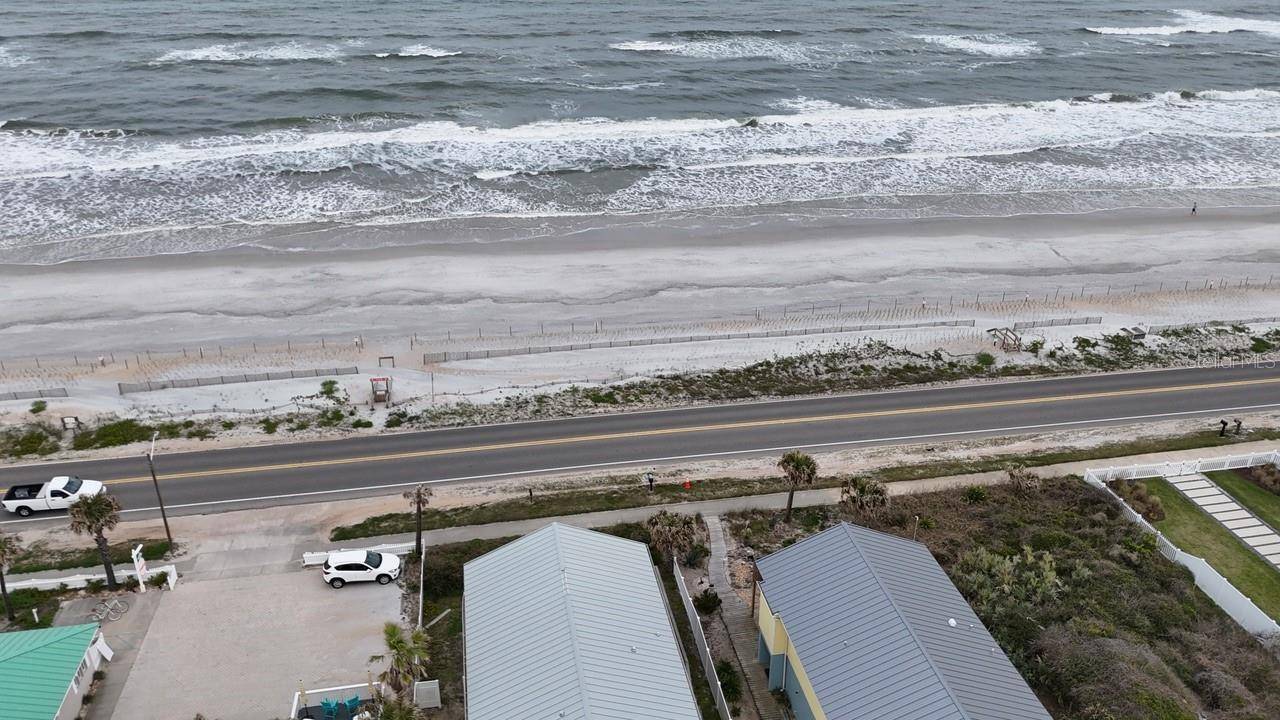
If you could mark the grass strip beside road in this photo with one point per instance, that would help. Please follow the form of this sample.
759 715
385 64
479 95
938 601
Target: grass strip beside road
1264 504
574 502
38 557
1195 532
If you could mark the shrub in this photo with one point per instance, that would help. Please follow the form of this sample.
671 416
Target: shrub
985 359
1266 476
228 424
38 407
129 583
1140 499
730 680
396 419
329 389
1261 345
975 494
34 439
361 423
270 425
695 556
1035 346
158 580
120 432
95 586
200 433
706 602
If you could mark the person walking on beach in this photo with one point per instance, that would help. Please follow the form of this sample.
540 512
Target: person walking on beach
1193 208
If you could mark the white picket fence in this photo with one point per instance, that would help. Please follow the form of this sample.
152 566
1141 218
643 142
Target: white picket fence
704 651
76 582
1218 588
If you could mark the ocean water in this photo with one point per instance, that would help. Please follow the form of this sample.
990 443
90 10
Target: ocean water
144 127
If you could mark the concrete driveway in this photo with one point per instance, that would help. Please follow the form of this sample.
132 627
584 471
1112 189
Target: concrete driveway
237 648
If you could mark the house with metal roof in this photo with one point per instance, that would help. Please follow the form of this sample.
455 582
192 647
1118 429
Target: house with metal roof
571 624
45 673
859 625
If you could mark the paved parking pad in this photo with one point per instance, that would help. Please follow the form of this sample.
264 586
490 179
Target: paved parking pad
237 648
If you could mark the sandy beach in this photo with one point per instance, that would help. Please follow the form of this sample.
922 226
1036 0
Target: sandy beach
653 269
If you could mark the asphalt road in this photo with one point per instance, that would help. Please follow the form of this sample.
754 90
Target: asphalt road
235 478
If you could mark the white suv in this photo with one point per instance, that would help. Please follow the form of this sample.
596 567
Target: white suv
360 565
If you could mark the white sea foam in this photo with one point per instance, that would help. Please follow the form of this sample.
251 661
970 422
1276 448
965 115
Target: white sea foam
73 186
738 47
10 59
991 45
1192 21
420 51
244 52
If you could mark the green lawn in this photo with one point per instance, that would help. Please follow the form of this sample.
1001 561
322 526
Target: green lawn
1192 530
1264 504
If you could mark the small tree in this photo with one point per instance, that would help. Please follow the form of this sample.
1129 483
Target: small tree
671 534
406 657
419 495
9 549
1021 479
394 708
94 515
863 496
799 469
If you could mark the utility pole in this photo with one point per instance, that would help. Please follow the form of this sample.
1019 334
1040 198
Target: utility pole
151 465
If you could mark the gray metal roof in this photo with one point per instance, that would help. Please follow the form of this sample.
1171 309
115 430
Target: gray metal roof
567 623
868 616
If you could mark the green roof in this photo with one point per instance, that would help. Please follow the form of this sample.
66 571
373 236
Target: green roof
37 667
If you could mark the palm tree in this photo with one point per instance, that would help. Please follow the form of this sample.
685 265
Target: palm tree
672 534
9 549
420 495
394 708
800 469
406 657
863 495
95 515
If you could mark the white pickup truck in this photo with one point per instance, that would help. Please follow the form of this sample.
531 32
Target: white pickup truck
56 494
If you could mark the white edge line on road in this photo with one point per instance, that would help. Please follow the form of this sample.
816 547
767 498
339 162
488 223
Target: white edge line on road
713 405
672 458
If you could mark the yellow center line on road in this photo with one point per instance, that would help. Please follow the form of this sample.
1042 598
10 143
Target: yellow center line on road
740 425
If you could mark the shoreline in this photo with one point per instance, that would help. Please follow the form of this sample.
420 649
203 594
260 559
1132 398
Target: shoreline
681 269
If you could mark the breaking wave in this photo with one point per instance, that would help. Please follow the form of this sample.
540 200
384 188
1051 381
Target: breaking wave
1192 21
420 51
76 193
244 52
992 45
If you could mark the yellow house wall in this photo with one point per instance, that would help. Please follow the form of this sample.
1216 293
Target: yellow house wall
776 639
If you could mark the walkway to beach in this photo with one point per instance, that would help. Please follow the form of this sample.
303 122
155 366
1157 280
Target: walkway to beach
1254 533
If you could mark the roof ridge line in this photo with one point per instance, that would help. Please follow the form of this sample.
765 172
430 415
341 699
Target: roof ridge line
573 637
951 694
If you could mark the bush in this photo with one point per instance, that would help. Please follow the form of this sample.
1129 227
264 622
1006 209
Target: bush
113 434
396 419
158 580
228 424
270 425
95 586
695 556
706 602
730 680
129 583
985 359
34 439
975 494
1140 499
1266 476
329 389
1035 346
38 407
361 424
200 433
